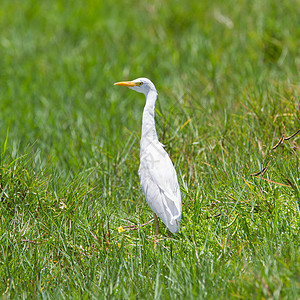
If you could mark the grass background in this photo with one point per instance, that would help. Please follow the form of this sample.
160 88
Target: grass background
227 74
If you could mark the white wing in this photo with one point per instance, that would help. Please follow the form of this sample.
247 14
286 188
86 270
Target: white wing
159 183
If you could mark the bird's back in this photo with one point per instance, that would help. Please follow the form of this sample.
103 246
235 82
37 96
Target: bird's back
160 185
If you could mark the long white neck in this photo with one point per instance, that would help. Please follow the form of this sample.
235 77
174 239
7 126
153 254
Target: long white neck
148 124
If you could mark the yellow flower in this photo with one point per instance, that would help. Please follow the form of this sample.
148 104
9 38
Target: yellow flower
121 229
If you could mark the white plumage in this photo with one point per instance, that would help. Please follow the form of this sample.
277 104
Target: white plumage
157 173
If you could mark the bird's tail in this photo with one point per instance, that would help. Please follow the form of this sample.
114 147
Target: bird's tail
175 213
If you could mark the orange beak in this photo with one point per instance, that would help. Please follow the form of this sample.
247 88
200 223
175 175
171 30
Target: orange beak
126 83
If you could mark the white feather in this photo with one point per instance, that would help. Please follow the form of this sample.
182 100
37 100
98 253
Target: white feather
157 173
159 183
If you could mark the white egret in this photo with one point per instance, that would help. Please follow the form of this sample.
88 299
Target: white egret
157 173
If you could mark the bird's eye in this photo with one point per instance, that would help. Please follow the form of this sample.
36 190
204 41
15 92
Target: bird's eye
139 83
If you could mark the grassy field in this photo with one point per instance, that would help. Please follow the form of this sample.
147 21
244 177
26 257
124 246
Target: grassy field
227 74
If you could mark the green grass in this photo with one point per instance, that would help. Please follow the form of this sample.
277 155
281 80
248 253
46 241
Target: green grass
228 81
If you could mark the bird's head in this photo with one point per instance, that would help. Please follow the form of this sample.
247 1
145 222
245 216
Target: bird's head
141 85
